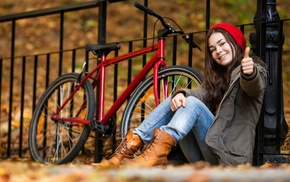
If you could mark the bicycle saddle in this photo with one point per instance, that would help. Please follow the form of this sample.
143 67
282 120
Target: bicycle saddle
99 49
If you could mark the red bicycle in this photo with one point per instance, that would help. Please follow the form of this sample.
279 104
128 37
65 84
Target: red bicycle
65 113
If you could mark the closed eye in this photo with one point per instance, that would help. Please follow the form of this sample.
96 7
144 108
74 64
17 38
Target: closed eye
222 43
212 50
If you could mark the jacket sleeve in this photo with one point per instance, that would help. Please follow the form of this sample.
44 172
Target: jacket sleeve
255 84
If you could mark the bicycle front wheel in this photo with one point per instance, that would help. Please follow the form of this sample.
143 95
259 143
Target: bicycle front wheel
55 141
143 102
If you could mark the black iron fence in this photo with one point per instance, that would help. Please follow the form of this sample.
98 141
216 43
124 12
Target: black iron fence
22 87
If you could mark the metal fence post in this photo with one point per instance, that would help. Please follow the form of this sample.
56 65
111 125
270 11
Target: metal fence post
266 42
101 40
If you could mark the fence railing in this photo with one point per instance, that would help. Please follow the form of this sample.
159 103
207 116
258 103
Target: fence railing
24 78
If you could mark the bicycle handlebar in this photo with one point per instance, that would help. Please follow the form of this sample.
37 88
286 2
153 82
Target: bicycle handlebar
166 26
151 12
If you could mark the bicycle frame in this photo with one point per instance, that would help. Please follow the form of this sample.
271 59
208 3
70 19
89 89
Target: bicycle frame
156 62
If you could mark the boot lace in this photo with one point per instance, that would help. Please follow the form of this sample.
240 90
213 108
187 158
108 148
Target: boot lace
120 149
147 148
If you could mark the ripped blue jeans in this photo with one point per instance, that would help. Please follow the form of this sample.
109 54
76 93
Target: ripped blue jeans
187 125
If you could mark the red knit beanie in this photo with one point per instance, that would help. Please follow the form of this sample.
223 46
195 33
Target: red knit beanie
236 34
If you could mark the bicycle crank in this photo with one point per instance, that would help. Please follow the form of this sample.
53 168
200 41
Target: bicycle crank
105 129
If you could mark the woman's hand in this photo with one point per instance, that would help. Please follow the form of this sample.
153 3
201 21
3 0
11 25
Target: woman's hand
177 101
247 63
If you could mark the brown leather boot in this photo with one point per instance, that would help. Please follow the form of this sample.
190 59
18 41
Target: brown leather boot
155 153
127 148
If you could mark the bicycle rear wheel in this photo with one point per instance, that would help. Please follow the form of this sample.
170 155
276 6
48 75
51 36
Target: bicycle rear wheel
142 101
59 142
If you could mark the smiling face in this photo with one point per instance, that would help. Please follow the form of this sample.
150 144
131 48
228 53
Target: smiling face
220 49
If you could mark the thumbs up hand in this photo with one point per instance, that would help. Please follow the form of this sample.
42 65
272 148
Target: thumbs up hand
247 63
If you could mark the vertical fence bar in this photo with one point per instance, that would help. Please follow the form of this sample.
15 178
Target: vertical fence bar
190 50
130 64
47 70
242 28
145 32
145 28
260 50
280 101
22 106
11 87
207 18
174 50
102 29
86 68
61 33
115 96
101 40
73 65
207 21
34 81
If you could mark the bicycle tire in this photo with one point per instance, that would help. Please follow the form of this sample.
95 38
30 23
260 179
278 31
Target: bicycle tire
142 101
59 142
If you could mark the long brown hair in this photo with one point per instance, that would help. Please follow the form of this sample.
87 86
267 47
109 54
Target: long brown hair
217 77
